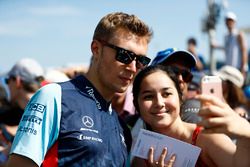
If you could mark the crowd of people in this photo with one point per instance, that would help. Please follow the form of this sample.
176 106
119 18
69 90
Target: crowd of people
92 117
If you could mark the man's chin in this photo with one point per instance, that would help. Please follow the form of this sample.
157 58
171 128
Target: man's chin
122 89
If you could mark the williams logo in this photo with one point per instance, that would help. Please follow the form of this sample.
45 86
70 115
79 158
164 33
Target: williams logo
91 93
87 121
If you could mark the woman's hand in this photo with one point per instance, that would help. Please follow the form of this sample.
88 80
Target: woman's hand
161 161
219 117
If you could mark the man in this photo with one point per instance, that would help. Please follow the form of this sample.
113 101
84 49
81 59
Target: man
22 81
72 122
235 45
192 48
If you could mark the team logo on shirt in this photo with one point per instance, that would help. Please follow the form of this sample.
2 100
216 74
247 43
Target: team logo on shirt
90 91
37 107
87 121
32 118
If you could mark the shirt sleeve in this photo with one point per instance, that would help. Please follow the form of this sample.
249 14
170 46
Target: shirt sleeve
39 126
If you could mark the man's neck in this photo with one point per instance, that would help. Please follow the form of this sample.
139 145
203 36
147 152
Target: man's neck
93 78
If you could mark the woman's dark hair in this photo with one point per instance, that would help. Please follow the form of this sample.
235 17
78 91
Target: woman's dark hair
234 95
149 70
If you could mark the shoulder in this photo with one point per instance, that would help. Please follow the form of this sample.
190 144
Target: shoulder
241 35
50 88
46 95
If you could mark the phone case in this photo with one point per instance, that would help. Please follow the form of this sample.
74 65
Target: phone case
212 85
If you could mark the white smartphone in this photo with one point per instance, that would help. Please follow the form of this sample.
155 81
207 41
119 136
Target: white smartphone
212 85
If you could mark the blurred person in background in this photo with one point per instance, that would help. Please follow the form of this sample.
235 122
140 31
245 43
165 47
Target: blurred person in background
192 48
54 75
194 86
5 107
122 103
22 81
74 70
191 106
4 95
232 83
235 46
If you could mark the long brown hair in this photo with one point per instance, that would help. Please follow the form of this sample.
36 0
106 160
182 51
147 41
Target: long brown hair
234 95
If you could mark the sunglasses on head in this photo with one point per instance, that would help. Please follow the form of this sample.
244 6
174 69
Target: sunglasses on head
186 75
126 57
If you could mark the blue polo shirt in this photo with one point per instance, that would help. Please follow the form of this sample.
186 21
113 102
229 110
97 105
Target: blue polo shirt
74 115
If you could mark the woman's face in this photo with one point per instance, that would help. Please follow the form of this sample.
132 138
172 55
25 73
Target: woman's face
158 100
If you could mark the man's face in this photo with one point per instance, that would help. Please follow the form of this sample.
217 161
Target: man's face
191 48
230 24
114 76
13 89
182 81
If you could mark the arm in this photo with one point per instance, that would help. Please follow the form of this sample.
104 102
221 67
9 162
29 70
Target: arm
243 48
217 149
199 64
215 45
20 161
39 127
220 118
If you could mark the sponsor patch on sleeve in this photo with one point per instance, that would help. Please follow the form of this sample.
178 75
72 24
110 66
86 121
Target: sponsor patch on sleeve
37 107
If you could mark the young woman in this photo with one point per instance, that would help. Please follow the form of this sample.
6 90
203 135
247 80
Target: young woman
157 97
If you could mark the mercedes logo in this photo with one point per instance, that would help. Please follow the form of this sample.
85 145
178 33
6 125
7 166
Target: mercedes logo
87 121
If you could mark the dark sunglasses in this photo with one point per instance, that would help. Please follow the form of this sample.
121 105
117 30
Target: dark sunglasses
186 75
7 80
126 56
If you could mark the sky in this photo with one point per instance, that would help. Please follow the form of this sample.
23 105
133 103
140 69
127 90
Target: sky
58 33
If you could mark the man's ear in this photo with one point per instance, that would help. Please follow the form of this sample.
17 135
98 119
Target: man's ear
95 48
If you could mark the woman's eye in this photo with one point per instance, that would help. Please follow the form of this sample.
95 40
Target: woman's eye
148 97
166 94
